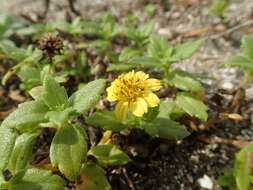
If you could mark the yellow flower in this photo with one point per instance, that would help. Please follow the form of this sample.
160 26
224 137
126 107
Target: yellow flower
134 92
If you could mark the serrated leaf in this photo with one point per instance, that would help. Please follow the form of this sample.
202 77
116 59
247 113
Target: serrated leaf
165 128
93 177
7 142
184 81
22 152
36 179
109 155
247 46
68 150
27 116
86 97
193 106
106 120
54 95
241 62
186 50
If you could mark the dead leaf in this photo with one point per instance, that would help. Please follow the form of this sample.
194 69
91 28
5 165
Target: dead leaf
217 140
15 95
233 116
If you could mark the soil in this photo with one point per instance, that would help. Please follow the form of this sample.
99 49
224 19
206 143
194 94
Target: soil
161 164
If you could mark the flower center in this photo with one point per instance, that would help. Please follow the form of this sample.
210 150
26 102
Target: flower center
131 89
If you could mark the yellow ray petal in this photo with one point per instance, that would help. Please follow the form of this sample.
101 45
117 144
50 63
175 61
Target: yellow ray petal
121 110
141 75
152 99
153 84
111 94
139 107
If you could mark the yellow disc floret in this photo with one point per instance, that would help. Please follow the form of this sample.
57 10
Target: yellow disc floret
134 92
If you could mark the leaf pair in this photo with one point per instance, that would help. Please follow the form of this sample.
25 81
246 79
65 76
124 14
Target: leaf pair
154 125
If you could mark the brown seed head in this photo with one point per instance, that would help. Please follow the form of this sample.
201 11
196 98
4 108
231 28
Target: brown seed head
51 45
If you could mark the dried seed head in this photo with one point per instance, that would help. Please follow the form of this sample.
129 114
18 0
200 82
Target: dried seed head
51 45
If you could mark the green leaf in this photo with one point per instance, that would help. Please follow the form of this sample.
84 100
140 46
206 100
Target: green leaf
7 142
241 62
6 47
60 118
186 50
120 67
227 179
30 76
37 92
146 29
218 7
184 81
242 169
127 54
166 108
192 106
247 46
146 62
27 116
150 9
3 184
93 177
165 128
36 179
109 155
106 120
34 56
68 150
54 95
159 48
22 152
86 97
151 114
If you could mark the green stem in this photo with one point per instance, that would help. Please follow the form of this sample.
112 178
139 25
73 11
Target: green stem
166 71
166 74
248 77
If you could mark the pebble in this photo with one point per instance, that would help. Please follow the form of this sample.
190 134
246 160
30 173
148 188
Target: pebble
166 32
205 182
227 85
175 15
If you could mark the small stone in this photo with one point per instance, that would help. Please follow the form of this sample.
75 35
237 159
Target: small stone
166 32
227 85
205 182
175 15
